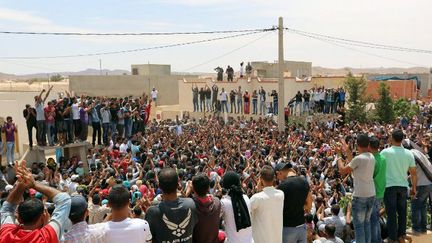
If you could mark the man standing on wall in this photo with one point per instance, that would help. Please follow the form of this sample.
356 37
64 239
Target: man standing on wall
29 114
154 95
262 99
40 117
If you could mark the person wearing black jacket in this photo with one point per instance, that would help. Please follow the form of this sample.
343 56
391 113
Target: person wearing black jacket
29 114
202 100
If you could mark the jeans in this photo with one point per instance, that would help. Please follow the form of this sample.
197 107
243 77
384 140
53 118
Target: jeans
77 128
30 133
41 132
195 105
208 104
69 129
202 105
375 224
233 106
294 234
224 104
362 211
120 130
262 108
395 200
84 131
419 208
10 146
275 107
254 107
127 127
50 133
113 125
306 107
96 132
297 103
106 127
239 106
214 102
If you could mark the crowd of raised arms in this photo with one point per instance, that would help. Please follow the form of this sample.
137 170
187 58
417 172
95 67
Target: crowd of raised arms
262 102
216 180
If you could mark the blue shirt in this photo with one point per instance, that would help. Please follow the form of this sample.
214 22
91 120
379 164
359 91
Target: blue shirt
95 116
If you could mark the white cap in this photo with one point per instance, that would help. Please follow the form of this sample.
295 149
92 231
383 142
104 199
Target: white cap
8 187
74 177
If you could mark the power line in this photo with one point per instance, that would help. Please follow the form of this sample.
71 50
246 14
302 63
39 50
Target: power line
358 43
136 50
228 53
133 34
347 46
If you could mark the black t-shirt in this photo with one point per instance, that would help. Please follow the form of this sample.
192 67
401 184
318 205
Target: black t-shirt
296 189
202 94
298 97
114 112
306 97
172 221
32 118
59 112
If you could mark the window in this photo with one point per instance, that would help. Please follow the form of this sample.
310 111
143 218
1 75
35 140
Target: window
134 71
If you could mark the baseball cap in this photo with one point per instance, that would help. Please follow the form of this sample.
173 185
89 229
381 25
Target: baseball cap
8 187
78 205
282 166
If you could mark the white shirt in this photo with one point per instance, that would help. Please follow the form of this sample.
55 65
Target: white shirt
72 187
317 96
105 115
154 94
223 96
75 112
267 215
129 230
123 148
244 235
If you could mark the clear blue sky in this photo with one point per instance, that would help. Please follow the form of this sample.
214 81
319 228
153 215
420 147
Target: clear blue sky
398 22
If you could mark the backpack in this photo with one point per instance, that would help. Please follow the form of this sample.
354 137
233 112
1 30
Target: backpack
423 162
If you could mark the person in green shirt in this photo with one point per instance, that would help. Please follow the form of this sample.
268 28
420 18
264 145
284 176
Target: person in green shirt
400 161
380 185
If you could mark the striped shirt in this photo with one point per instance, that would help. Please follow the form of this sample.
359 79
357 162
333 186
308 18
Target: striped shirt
97 213
82 232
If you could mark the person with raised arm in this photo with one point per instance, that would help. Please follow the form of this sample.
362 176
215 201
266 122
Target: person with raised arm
34 222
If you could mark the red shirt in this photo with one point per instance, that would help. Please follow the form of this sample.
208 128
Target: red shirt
49 114
11 233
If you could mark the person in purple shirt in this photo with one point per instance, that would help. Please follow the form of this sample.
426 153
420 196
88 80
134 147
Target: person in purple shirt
84 118
9 128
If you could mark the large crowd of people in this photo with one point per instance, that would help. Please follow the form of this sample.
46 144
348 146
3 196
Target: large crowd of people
264 103
214 179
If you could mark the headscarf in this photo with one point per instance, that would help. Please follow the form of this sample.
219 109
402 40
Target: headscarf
231 182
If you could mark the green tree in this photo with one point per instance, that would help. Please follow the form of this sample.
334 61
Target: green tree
57 77
403 108
356 89
384 104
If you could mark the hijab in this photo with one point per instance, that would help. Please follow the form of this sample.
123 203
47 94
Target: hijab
231 182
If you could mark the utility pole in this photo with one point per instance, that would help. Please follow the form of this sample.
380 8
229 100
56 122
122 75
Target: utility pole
100 67
281 83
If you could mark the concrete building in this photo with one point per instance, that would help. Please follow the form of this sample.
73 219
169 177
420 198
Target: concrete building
423 80
151 69
144 77
291 69
398 89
